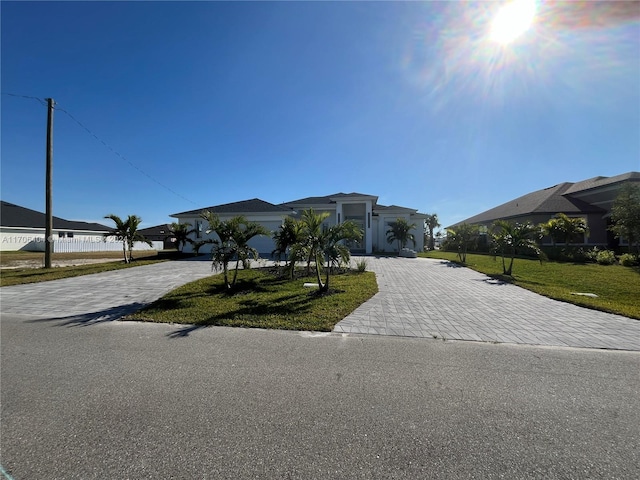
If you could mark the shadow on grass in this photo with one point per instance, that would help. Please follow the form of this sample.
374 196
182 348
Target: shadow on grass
451 264
92 318
498 280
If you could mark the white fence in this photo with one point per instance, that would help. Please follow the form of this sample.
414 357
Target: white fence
74 245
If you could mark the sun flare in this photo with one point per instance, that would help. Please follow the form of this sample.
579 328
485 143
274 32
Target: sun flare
512 20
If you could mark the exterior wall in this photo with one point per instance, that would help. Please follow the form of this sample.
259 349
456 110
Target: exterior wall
263 244
32 240
595 221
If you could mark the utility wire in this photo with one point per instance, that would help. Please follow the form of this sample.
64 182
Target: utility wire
109 147
42 101
115 152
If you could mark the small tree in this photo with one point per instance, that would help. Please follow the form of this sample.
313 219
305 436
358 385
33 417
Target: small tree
509 238
289 234
431 224
333 248
224 247
232 242
127 232
181 232
462 238
320 243
400 231
625 215
244 232
570 227
552 229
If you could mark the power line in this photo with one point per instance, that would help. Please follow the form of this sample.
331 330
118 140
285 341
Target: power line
109 147
41 100
115 152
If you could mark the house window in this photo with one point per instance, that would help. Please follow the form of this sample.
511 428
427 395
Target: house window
368 219
69 234
198 229
62 234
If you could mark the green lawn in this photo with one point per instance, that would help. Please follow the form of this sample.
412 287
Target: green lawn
262 300
617 287
32 275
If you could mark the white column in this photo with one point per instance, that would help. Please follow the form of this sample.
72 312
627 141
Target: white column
368 224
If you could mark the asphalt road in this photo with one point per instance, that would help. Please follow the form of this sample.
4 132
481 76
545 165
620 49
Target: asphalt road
124 400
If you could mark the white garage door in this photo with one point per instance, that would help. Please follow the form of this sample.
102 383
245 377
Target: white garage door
265 244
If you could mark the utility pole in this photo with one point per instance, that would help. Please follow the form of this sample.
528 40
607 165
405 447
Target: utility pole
48 228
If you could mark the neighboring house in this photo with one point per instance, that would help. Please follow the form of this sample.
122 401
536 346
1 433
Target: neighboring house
590 199
363 209
160 233
24 229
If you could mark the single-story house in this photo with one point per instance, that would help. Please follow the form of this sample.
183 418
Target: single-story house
591 199
24 229
160 233
373 218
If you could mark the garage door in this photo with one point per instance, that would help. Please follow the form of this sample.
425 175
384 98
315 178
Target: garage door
264 244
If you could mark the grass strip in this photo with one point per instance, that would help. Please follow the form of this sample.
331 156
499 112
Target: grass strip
617 287
21 276
261 299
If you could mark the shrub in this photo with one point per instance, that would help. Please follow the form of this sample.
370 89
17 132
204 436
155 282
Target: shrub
628 260
606 257
361 265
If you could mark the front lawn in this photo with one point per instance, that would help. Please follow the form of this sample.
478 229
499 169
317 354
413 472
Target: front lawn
617 287
20 276
262 299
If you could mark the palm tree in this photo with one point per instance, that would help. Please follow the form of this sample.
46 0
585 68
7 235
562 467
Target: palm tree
325 243
232 242
244 232
463 237
223 247
289 233
181 232
552 229
571 227
119 232
400 231
508 238
127 232
432 223
333 248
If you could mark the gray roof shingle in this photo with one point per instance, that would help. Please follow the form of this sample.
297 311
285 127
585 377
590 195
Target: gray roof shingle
12 215
548 200
255 205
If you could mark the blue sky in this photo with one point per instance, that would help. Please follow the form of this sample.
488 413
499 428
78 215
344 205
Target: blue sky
211 103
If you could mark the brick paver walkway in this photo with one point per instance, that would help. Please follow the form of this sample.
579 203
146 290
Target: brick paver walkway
422 297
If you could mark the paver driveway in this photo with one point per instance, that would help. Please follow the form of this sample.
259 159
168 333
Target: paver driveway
101 296
422 297
418 297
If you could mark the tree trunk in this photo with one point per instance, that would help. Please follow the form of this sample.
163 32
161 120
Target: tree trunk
124 251
235 272
325 287
225 271
508 272
320 285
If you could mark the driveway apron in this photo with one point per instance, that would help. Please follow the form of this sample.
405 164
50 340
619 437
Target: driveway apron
101 296
421 297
